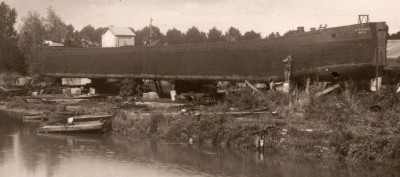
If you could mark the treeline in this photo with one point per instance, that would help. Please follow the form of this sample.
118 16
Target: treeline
11 58
394 35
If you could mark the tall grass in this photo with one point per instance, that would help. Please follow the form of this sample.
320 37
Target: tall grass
8 78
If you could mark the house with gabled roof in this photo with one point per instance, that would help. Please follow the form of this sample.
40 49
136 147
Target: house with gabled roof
117 37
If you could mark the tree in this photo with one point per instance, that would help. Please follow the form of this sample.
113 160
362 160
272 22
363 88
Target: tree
215 35
31 35
272 35
233 34
193 35
99 32
142 37
174 36
56 29
89 36
88 32
251 35
69 38
8 18
10 57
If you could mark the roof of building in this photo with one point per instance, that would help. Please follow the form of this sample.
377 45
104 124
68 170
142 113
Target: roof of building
120 31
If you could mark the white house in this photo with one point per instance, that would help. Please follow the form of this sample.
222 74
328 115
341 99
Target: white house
117 37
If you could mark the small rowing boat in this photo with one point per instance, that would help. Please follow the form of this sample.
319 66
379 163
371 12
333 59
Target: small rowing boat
100 123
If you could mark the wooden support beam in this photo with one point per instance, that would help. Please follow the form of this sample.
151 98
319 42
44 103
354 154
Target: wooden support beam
3 89
272 86
253 87
327 90
157 84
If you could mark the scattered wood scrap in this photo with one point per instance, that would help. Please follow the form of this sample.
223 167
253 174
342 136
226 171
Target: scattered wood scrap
159 104
237 113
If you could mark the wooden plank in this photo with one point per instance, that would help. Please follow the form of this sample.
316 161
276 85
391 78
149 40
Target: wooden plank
253 87
3 89
329 89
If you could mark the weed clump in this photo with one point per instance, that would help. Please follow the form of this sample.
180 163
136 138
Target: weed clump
247 99
7 78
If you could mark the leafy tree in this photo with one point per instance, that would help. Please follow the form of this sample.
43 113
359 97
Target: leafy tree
8 18
88 36
233 34
174 36
277 34
251 35
142 37
76 41
88 32
215 35
99 32
56 29
69 38
272 35
193 35
31 35
10 57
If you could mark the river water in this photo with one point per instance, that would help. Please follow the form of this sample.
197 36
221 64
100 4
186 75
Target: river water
24 153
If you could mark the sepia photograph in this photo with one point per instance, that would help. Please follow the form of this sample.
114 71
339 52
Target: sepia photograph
199 88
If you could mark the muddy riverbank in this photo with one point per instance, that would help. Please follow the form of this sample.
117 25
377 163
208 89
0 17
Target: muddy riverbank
330 127
23 152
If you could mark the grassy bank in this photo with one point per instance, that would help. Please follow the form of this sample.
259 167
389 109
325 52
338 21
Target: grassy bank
338 126
332 126
7 78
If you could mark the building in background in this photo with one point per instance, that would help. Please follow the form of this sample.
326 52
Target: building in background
117 37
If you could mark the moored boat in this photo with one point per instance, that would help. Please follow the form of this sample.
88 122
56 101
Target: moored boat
91 117
34 116
100 126
82 123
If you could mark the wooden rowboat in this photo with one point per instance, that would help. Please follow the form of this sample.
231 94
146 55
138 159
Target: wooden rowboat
100 123
99 126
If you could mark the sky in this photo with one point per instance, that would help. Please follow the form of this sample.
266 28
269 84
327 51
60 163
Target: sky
263 16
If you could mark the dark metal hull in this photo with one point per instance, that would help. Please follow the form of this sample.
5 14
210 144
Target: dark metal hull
354 51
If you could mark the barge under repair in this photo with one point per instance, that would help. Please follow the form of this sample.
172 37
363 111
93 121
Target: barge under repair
348 52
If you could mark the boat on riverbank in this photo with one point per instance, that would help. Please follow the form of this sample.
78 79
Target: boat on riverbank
46 117
83 123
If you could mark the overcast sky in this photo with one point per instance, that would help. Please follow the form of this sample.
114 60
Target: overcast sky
264 16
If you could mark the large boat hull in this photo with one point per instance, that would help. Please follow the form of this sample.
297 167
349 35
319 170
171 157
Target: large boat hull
354 51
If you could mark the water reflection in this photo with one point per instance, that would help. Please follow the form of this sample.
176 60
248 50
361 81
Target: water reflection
25 153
